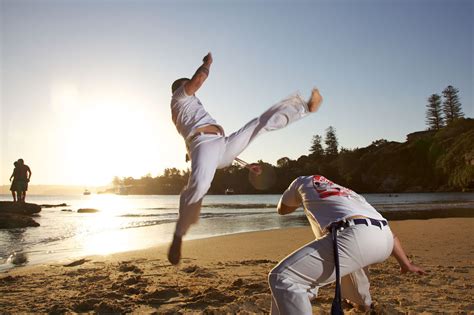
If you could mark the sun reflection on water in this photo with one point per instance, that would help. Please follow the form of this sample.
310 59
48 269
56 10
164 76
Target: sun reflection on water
108 231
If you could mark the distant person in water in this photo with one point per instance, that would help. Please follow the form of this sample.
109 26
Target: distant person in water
22 177
208 146
14 186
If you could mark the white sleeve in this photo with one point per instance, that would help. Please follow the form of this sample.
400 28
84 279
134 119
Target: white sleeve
180 93
292 197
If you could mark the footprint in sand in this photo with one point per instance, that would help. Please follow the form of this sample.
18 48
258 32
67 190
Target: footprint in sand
159 297
126 267
77 263
198 271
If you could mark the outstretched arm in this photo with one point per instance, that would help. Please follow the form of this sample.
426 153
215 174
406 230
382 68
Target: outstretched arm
405 264
199 76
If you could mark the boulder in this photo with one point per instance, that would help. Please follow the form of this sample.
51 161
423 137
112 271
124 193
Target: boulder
87 210
19 207
12 221
17 214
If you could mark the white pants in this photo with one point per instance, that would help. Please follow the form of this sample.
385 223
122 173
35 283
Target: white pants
354 286
297 278
210 152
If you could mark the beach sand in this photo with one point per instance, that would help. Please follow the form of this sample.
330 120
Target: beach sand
229 274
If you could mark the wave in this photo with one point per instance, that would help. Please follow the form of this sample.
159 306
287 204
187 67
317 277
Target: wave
222 206
424 205
172 219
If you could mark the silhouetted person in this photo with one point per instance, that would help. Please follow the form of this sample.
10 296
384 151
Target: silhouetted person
14 186
23 177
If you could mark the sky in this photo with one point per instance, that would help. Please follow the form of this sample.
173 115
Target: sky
85 85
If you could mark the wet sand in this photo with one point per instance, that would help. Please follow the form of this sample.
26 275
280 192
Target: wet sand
228 274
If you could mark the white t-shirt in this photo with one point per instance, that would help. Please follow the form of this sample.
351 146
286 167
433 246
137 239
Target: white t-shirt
188 113
326 202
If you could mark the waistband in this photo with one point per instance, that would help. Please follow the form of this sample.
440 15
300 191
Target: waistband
343 224
201 133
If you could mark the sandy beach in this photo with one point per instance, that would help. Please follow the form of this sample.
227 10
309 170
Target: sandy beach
228 274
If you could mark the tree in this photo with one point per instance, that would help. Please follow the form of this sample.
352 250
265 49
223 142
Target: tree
283 162
331 141
434 118
316 147
451 105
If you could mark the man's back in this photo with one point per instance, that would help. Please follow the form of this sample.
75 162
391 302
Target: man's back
22 172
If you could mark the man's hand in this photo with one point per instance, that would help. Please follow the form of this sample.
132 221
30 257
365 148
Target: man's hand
412 268
207 60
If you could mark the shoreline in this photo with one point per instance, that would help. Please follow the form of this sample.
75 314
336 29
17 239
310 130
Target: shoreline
228 274
390 215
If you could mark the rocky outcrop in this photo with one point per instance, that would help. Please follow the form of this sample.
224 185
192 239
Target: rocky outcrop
23 208
17 215
87 210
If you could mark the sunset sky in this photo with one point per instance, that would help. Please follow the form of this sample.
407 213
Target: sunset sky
85 85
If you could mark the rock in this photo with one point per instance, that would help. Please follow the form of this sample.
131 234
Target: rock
54 206
18 259
19 207
12 221
17 214
87 210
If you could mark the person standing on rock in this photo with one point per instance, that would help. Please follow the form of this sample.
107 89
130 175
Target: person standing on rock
14 186
208 146
23 178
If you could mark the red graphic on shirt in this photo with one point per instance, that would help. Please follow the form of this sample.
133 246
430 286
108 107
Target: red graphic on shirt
327 188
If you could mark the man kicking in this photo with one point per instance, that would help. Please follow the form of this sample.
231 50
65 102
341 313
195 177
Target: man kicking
208 146
364 238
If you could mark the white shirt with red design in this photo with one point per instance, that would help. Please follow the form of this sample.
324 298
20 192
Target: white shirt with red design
325 201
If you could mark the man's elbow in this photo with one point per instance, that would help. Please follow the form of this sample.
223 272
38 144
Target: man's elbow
284 209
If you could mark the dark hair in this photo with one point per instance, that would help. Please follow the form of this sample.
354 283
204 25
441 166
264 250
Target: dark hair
21 162
176 84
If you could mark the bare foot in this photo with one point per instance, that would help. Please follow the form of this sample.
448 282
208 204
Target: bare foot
315 100
174 253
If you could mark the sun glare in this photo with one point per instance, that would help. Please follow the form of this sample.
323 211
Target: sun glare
105 136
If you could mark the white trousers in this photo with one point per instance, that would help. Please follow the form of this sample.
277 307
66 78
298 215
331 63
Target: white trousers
297 278
210 152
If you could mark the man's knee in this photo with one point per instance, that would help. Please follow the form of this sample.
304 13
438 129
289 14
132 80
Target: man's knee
194 192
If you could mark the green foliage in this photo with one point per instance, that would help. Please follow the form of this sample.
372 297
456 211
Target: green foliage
331 142
434 113
316 146
433 161
451 105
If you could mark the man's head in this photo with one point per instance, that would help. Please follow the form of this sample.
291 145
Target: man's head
20 162
177 84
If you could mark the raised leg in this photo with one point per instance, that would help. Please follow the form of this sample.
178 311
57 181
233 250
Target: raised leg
276 117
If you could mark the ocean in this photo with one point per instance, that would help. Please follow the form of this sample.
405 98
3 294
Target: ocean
125 223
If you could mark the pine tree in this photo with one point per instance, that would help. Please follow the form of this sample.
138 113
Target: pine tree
451 105
434 118
331 141
316 147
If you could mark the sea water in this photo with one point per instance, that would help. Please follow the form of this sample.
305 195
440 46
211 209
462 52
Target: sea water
125 223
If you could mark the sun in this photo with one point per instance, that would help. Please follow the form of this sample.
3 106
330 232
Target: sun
108 138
